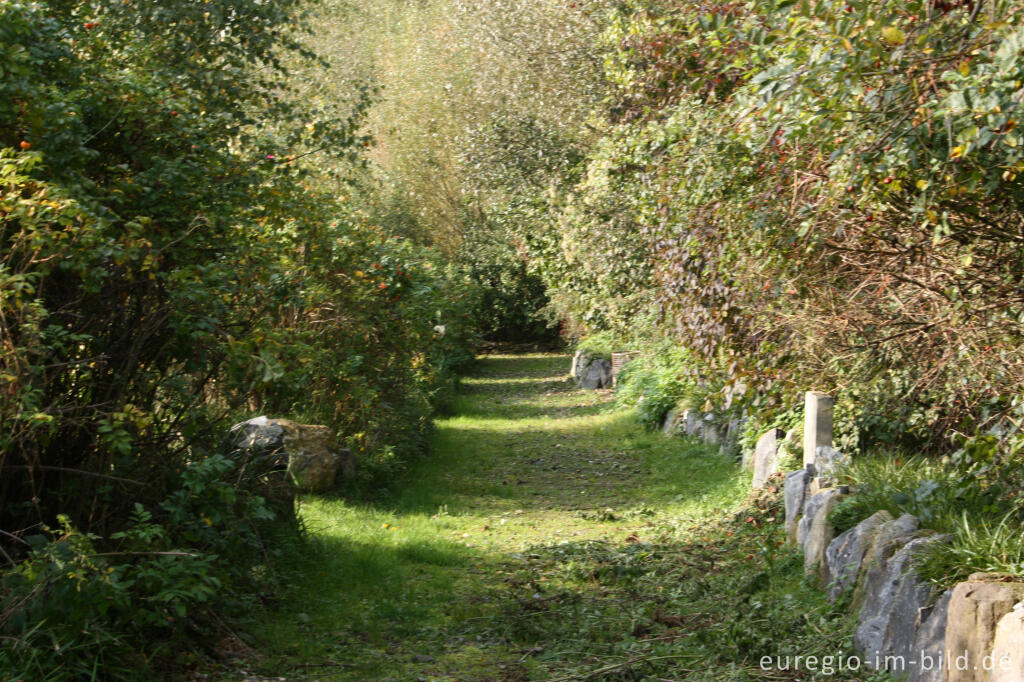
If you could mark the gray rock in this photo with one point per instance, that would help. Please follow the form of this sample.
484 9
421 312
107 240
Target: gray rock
815 503
580 362
819 534
845 553
692 422
730 446
827 462
766 456
888 620
930 643
257 433
795 492
597 374
306 451
888 539
709 430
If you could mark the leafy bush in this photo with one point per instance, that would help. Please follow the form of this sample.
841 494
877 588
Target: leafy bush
510 303
79 604
599 344
656 383
789 242
177 247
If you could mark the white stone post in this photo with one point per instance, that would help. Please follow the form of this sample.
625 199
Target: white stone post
817 424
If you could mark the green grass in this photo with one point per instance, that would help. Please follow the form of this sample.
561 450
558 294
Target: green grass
546 536
983 521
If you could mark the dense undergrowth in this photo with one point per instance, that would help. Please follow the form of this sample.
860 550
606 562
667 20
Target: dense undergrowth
178 252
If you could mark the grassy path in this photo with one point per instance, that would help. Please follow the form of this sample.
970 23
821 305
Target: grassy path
547 536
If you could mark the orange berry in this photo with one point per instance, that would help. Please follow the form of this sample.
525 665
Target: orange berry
25 145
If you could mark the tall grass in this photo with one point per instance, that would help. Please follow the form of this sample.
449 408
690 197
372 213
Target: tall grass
986 529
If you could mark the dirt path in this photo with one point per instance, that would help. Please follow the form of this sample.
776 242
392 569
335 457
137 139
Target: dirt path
546 536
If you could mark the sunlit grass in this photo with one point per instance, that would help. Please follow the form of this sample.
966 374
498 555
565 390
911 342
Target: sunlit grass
527 462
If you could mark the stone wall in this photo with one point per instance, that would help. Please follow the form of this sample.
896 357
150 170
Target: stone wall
973 632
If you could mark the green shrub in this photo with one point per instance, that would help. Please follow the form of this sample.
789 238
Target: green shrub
80 605
600 345
657 382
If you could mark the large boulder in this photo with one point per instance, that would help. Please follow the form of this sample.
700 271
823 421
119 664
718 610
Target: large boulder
846 552
596 373
889 618
889 538
976 609
307 452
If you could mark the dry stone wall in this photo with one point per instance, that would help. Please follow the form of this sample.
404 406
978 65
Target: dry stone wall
971 633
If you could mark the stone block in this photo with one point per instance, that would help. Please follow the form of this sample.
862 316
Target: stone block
930 643
795 493
891 613
730 445
619 360
819 533
827 462
1008 647
817 424
814 503
890 537
846 552
692 423
597 374
976 609
765 461
709 432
